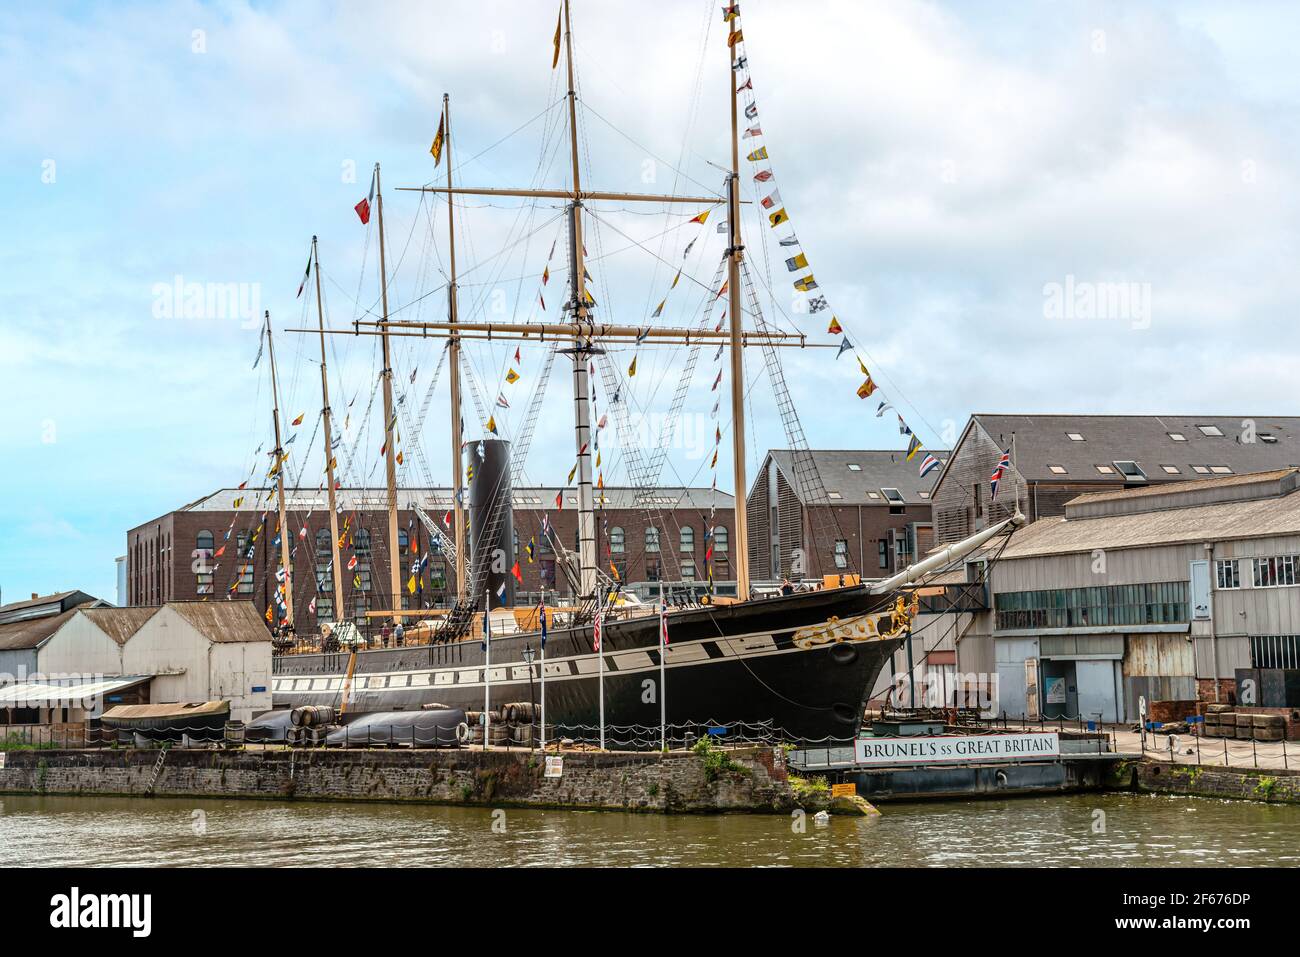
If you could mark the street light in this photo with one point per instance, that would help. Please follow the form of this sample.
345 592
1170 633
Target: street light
528 660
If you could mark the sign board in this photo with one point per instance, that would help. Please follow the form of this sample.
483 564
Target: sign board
554 766
951 749
2 760
844 790
258 689
1054 690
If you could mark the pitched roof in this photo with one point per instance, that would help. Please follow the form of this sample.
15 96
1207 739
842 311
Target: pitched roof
875 469
223 621
31 632
1043 440
44 605
1220 521
120 623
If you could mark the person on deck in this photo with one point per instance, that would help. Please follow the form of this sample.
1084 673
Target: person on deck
786 587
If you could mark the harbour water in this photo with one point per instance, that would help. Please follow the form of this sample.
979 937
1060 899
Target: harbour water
1089 830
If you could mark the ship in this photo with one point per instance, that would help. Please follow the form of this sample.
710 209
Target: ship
798 665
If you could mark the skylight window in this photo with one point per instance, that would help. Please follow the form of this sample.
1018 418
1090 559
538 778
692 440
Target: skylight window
1105 470
1201 469
893 496
834 495
855 467
1220 470
1177 436
1131 470
1210 430
873 495
1171 469
1057 469
1268 437
1074 436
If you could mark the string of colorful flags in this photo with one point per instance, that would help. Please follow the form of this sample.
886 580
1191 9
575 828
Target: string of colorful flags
804 281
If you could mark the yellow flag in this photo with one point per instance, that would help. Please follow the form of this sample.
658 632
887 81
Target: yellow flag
492 424
410 585
631 370
703 217
559 20
436 148
512 376
866 389
778 217
572 471
758 154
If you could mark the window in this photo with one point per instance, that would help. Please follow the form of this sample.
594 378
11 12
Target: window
855 467
652 540
204 545
1057 469
720 539
883 547
892 495
1275 651
841 553
1201 469
246 546
1273 572
923 494
1146 604
324 609
688 570
360 605
1227 573
873 495
361 544
616 540
362 577
1130 470
403 542
834 496
687 542
1177 436
1074 436
1220 470
1267 437
652 573
1171 469
548 572
1105 470
1210 430
324 550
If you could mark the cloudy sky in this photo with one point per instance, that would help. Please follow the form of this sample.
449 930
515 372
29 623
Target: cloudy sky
968 186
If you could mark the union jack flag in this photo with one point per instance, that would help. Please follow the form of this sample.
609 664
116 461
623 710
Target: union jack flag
663 624
595 632
999 470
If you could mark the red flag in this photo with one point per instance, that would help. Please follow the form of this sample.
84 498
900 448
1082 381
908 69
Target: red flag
363 210
595 631
518 576
559 498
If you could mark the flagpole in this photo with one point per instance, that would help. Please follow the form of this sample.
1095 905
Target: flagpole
453 356
487 668
663 688
390 445
600 653
542 621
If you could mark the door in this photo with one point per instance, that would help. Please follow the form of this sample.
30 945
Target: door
1096 683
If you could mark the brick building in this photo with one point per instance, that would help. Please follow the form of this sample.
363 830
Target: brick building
873 521
1059 457
662 534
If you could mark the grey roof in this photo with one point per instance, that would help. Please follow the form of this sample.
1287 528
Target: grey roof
876 469
223 621
1221 521
1042 441
44 605
120 623
31 632
525 497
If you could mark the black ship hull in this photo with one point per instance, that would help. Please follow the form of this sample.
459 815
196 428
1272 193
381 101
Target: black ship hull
801 663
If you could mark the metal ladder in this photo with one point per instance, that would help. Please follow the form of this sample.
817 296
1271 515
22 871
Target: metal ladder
157 770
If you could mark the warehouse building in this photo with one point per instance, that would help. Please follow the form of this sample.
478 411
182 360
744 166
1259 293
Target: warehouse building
814 513
1185 592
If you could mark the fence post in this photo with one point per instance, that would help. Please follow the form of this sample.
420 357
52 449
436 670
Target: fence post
1225 752
1254 751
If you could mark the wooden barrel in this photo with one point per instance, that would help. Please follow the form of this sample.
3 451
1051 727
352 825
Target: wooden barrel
500 734
311 716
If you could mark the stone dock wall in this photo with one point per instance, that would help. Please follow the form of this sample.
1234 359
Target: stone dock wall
1274 786
752 779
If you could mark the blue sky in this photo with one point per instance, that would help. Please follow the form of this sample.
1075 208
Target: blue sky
943 164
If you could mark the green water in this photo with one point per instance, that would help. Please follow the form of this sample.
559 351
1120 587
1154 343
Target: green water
1139 831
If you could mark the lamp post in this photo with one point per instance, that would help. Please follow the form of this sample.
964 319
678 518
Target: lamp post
532 722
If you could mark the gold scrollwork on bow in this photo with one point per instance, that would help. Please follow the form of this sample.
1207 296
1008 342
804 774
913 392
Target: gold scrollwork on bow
881 626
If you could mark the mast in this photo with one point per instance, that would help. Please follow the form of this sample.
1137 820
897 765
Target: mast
327 414
285 534
453 354
394 550
734 254
581 350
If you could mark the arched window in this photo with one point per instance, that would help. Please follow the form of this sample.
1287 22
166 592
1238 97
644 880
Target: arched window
616 540
687 540
652 539
204 544
403 542
720 539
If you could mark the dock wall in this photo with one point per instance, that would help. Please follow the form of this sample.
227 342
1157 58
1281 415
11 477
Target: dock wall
1274 786
751 779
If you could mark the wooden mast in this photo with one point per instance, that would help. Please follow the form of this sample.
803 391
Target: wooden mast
285 535
453 355
327 415
581 350
394 546
740 553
